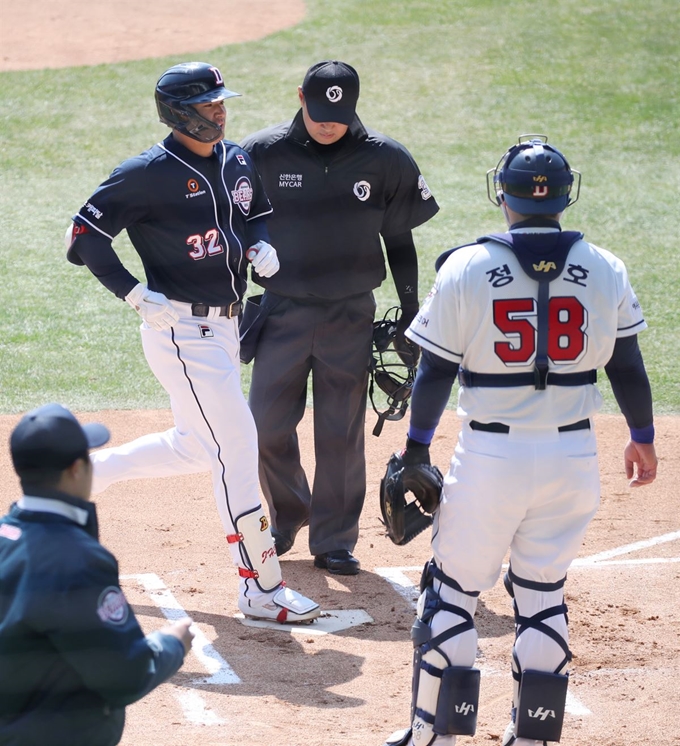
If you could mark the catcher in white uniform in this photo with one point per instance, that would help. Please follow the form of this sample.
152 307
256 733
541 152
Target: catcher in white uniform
524 319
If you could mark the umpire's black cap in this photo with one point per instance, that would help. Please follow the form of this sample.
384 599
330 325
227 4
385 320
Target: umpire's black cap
50 437
331 91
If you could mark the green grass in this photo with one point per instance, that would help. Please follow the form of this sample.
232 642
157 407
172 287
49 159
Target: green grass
455 82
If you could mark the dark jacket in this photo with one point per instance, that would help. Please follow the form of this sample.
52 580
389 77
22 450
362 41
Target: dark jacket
331 205
72 654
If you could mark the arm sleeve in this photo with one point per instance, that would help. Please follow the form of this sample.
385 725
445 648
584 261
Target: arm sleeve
95 251
256 230
431 392
96 632
117 203
630 384
403 261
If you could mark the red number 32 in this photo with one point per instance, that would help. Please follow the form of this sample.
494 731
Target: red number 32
567 324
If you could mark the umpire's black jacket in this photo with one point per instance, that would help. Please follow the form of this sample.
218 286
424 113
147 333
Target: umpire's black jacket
329 213
72 654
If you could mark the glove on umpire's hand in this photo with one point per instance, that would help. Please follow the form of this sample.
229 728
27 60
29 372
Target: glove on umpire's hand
153 307
408 351
264 259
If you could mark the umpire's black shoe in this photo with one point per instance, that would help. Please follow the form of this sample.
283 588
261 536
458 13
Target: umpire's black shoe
283 540
338 562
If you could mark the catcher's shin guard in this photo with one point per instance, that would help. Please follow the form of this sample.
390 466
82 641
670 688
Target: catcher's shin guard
445 696
253 550
541 704
540 695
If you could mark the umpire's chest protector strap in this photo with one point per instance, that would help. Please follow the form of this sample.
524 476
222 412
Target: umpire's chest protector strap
542 257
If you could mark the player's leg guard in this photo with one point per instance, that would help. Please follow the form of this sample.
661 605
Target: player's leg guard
541 642
252 548
445 693
253 551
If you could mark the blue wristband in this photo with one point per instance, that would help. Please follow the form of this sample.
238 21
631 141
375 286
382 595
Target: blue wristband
422 436
642 434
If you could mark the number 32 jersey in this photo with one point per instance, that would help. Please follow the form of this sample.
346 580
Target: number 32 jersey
187 216
482 314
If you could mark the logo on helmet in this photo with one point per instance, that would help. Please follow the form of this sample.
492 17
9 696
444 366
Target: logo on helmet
218 75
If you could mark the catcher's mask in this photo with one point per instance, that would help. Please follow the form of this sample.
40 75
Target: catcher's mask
184 85
390 370
533 177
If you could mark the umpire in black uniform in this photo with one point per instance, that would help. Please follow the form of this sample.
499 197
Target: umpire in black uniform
72 654
336 187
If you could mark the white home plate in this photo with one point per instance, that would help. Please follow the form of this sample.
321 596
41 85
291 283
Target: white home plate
328 623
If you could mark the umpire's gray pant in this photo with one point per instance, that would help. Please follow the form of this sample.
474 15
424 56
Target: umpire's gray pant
332 340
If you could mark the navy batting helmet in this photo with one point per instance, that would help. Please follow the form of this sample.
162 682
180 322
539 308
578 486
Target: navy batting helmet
533 178
184 85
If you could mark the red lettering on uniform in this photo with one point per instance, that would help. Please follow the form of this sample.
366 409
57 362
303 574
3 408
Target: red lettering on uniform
567 324
268 553
207 245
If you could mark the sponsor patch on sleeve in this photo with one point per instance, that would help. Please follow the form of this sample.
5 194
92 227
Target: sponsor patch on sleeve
112 606
13 533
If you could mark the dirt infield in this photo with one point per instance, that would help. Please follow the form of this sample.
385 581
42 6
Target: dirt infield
37 34
259 687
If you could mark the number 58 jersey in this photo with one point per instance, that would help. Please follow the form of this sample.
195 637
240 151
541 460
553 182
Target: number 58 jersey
482 313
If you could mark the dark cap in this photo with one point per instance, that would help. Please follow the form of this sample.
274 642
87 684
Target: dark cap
331 90
50 437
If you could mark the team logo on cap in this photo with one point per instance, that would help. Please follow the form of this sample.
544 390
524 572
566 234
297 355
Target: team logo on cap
243 194
334 94
112 606
362 190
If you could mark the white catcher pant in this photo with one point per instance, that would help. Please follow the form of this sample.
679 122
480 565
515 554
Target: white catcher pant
197 363
533 491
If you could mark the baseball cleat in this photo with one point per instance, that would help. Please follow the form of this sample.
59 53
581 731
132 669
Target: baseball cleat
399 738
286 606
510 739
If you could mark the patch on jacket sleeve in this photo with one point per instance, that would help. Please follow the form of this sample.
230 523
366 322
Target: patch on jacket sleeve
112 606
13 533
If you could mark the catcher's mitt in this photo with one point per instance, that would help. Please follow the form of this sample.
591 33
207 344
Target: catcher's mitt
404 521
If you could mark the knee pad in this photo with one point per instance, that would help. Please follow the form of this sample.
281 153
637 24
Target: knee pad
253 550
445 697
540 706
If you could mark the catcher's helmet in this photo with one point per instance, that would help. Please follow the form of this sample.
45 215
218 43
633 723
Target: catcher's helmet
184 85
533 178
390 371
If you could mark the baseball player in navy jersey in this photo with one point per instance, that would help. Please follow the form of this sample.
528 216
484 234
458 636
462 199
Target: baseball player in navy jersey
195 211
524 318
